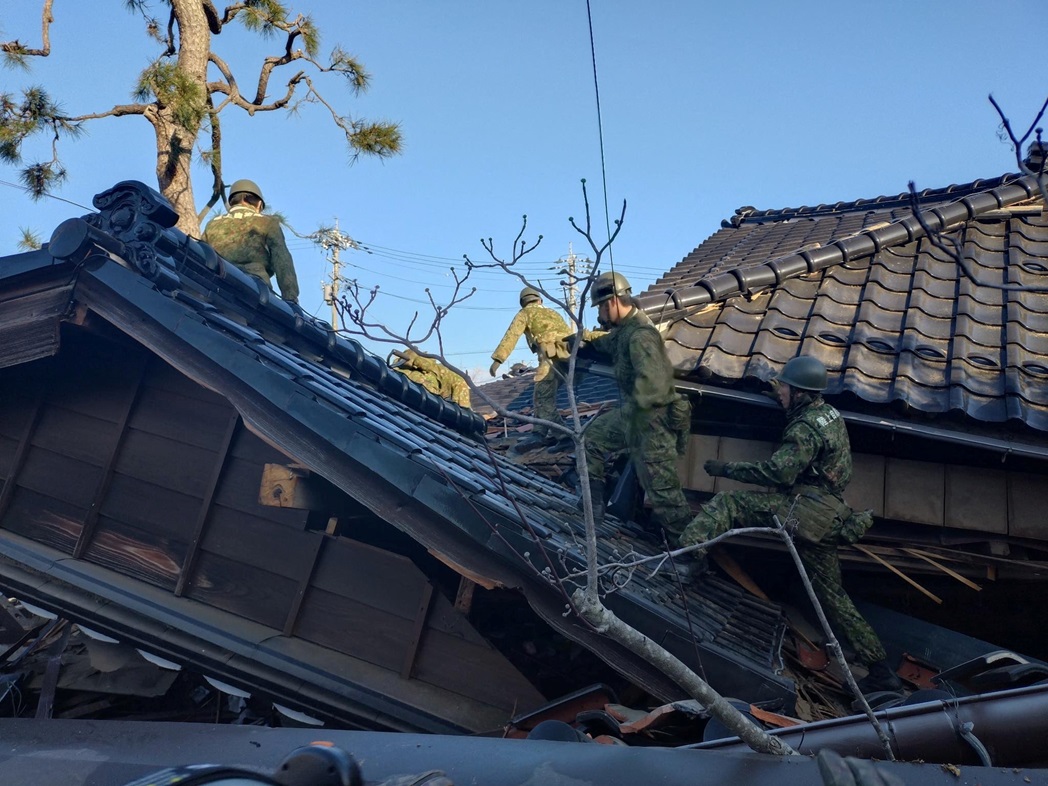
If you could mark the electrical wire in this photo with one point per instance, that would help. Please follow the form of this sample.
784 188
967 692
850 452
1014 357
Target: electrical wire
600 134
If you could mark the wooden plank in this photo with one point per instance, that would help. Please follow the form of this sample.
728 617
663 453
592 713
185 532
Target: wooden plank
205 505
129 398
166 463
241 589
260 543
60 477
417 631
28 342
181 418
250 447
163 376
24 440
1027 502
355 628
372 576
44 519
977 499
165 513
136 553
18 398
897 572
238 489
948 571
8 448
76 435
480 673
915 491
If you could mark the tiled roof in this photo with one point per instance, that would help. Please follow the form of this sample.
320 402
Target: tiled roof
888 310
515 392
324 403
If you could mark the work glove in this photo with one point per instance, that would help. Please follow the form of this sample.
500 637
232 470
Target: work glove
494 367
715 468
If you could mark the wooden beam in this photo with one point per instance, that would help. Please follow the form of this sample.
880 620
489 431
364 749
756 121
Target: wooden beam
205 503
464 596
952 573
45 705
104 482
295 486
20 453
425 601
476 578
303 587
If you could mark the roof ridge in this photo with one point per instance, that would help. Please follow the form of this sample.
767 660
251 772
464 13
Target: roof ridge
713 287
748 214
137 223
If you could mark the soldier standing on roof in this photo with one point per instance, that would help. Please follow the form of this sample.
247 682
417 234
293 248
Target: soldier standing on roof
432 375
543 328
653 421
811 468
252 241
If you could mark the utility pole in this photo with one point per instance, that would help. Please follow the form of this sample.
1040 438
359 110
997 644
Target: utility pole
570 284
333 241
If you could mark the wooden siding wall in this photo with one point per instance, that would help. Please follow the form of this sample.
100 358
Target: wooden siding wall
110 455
993 501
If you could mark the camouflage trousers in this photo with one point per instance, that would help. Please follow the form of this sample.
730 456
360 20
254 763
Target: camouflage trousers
544 394
652 448
730 509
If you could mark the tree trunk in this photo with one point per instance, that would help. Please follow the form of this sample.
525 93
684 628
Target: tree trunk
605 621
175 142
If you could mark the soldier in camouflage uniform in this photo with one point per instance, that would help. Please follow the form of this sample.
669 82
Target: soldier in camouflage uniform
433 375
252 241
542 327
809 471
652 417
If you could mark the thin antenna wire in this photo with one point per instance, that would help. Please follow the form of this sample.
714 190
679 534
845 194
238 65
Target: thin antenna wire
600 132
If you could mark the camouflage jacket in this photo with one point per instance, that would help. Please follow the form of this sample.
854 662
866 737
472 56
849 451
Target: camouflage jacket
438 379
815 452
541 326
255 244
642 367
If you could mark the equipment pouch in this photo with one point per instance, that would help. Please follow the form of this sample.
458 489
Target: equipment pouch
816 514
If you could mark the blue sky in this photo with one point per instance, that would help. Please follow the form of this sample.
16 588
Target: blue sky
706 107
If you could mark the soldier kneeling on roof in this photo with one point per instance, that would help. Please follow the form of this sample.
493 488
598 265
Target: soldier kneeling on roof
811 468
433 375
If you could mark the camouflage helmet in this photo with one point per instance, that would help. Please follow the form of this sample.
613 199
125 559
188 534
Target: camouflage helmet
803 372
607 286
529 295
247 187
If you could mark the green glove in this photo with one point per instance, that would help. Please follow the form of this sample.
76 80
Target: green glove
495 367
715 468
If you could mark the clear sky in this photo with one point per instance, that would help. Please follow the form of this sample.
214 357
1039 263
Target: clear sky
706 107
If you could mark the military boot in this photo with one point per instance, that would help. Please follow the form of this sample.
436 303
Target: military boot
880 678
690 567
530 442
597 489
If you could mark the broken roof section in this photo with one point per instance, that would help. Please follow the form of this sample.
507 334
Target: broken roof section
329 406
889 310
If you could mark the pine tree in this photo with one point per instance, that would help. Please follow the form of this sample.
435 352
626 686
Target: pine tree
183 92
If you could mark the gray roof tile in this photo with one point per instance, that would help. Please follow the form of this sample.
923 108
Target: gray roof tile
891 313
